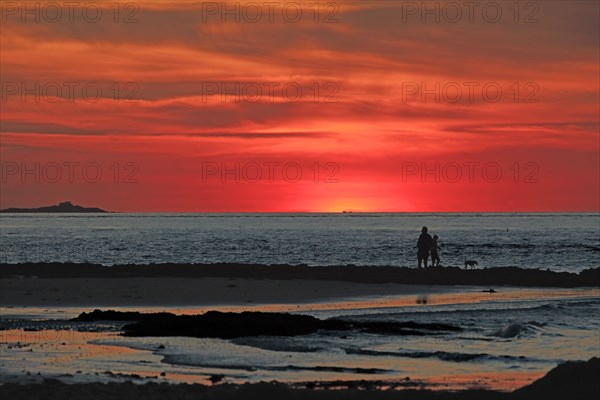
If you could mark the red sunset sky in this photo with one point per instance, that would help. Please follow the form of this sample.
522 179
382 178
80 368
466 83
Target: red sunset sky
364 151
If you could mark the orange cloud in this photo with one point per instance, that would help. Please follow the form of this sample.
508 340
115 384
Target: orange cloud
371 94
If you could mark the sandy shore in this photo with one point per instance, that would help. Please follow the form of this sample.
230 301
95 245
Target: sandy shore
43 288
261 391
569 380
231 294
231 287
509 276
101 292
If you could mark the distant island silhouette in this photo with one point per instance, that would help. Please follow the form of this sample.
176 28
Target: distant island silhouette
64 207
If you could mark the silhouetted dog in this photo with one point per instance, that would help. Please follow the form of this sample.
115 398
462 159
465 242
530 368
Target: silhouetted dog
470 263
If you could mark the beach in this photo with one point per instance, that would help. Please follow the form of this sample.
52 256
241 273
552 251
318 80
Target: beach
397 335
73 285
562 382
201 292
238 293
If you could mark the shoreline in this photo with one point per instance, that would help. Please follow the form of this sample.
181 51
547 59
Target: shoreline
49 290
564 381
237 287
452 276
209 292
195 295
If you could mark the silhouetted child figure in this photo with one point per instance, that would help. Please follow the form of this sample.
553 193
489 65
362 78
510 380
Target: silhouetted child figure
423 246
435 258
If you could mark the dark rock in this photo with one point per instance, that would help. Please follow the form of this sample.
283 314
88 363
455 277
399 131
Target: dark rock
111 315
571 380
215 324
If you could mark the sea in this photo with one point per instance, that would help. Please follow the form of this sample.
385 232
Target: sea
556 241
505 341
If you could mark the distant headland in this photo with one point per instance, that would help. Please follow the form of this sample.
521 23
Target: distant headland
64 207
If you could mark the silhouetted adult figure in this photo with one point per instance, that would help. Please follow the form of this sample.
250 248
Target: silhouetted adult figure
435 257
423 246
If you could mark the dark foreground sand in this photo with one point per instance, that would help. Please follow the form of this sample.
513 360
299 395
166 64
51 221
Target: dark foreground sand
198 291
512 276
74 285
83 285
572 380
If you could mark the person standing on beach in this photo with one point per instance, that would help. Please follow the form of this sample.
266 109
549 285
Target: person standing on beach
424 246
435 258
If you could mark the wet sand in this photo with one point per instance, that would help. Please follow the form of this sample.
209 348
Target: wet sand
230 294
221 285
194 289
511 276
568 380
169 292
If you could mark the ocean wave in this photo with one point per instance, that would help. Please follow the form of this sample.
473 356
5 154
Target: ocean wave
33 325
581 303
577 246
475 309
515 330
276 344
441 355
176 360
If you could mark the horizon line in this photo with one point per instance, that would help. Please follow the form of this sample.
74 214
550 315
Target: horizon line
360 212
